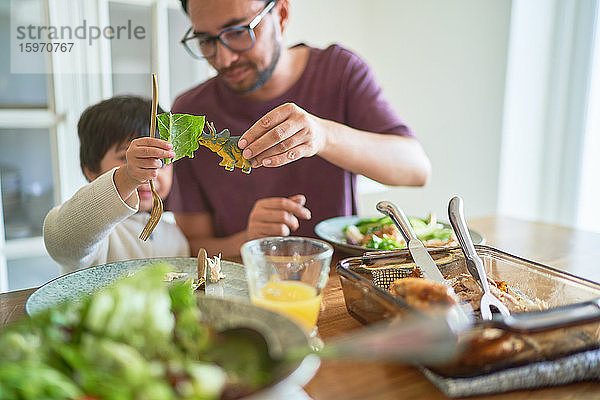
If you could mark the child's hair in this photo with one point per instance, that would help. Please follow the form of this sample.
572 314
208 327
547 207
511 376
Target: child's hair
111 122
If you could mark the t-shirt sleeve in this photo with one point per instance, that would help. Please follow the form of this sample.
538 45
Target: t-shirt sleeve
366 106
187 195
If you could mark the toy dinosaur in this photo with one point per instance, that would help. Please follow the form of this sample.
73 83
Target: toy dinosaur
226 146
186 133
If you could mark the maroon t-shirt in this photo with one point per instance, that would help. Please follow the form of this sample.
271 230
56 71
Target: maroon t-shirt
336 85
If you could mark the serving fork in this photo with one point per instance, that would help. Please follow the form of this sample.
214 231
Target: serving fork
157 204
473 261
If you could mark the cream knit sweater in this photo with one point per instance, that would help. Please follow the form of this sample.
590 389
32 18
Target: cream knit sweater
96 226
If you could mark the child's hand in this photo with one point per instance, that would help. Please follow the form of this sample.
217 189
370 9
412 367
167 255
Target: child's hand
144 158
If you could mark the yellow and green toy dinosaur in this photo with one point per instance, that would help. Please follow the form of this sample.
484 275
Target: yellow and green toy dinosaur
186 133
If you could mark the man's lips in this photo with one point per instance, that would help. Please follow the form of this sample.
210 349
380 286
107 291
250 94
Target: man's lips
235 74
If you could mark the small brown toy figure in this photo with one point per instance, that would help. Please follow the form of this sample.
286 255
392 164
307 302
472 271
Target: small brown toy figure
226 146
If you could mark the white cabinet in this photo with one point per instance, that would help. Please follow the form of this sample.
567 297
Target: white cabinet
28 173
28 192
39 147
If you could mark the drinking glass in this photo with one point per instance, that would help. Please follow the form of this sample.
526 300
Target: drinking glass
287 275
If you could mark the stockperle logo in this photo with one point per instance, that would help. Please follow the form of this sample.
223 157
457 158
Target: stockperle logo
69 44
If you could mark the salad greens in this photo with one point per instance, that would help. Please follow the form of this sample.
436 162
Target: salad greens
385 242
135 339
369 232
183 131
367 225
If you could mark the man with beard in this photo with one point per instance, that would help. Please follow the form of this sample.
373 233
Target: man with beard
310 120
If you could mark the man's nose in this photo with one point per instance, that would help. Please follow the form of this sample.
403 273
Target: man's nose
224 56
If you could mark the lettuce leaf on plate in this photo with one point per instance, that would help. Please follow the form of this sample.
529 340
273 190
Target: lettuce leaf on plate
134 339
183 131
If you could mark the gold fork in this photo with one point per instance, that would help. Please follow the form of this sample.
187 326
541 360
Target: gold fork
157 205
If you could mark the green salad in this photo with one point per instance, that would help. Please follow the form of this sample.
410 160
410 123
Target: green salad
136 339
380 233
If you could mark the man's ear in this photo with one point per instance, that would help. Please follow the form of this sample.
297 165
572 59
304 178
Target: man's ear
89 174
284 13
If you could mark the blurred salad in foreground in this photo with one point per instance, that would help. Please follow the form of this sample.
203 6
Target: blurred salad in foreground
136 339
380 233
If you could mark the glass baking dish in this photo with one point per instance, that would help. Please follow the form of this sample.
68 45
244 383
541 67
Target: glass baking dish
368 303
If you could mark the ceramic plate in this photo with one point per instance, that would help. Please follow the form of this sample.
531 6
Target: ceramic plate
85 281
332 230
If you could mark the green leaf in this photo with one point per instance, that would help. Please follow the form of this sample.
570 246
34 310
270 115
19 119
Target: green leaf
27 380
136 310
367 225
183 131
385 242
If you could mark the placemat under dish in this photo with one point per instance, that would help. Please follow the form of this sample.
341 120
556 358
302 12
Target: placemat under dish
574 368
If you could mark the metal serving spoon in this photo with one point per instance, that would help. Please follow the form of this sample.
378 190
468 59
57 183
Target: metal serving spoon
474 262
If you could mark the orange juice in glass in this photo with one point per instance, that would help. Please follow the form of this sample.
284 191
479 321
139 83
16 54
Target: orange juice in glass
287 275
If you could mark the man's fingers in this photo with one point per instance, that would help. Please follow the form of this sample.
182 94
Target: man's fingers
270 229
280 138
278 160
277 216
291 206
288 150
270 129
298 198
264 124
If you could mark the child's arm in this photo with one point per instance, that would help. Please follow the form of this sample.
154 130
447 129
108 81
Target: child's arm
143 162
76 232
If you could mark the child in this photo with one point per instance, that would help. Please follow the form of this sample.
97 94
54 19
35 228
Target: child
101 223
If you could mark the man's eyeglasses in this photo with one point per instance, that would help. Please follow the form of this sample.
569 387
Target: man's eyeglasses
236 38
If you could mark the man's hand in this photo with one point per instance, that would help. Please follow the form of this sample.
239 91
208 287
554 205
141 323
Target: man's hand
285 134
276 216
144 158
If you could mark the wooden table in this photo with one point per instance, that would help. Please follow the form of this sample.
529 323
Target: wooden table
574 251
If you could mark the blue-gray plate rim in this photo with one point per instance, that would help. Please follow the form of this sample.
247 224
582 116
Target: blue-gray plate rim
84 281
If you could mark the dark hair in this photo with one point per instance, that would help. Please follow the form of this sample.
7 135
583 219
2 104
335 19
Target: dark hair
184 5
111 122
